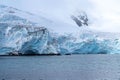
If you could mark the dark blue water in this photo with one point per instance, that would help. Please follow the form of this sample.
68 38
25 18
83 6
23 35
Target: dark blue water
72 67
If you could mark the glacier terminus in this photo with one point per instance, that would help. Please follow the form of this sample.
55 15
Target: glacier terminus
22 33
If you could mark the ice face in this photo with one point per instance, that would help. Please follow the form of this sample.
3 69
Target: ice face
38 40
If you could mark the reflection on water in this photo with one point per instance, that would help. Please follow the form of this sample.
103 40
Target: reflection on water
71 67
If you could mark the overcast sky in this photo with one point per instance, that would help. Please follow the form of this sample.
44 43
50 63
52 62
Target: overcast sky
104 14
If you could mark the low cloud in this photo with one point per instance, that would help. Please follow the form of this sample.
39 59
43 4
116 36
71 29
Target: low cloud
104 15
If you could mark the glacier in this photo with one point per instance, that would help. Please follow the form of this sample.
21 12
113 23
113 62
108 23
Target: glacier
25 33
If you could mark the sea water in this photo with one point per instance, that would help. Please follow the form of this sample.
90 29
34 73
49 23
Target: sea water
67 67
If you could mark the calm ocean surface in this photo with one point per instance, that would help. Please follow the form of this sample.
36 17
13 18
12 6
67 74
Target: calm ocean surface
71 67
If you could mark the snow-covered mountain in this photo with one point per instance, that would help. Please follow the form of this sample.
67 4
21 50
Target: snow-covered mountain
24 32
